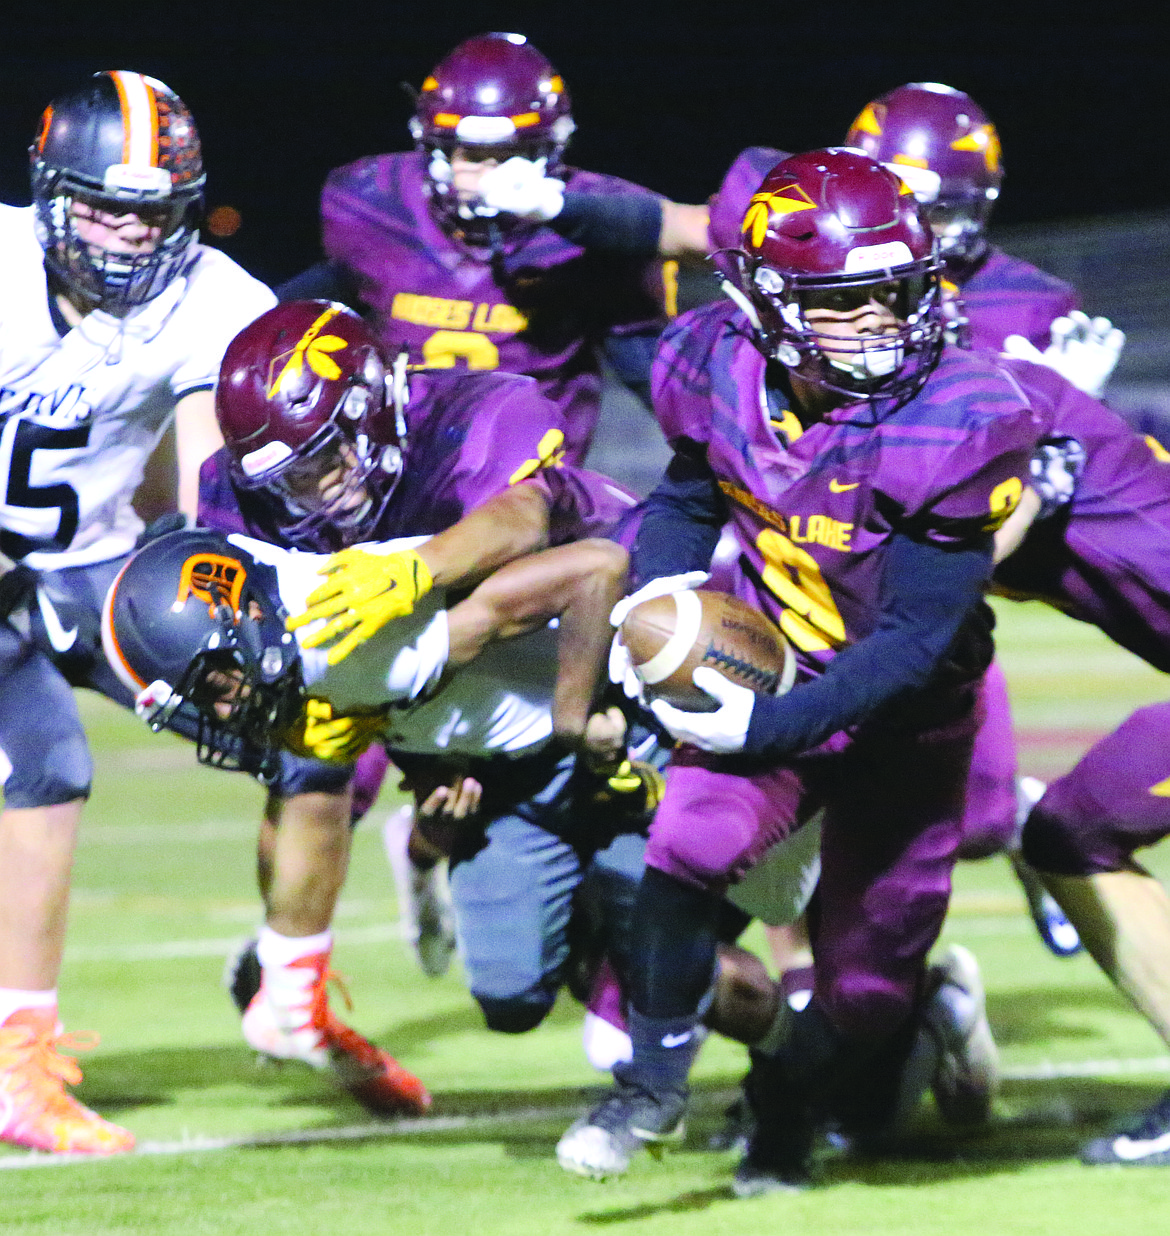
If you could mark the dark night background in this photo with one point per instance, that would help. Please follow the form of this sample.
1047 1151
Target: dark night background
665 95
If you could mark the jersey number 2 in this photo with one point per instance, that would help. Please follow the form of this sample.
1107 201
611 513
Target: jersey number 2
26 439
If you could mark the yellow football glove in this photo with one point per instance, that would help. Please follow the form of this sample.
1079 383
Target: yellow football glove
362 593
336 740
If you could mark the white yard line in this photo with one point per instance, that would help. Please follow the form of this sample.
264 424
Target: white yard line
165 950
301 1137
388 1130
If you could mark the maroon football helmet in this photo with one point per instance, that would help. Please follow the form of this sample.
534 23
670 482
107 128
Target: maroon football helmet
835 230
946 148
493 97
314 429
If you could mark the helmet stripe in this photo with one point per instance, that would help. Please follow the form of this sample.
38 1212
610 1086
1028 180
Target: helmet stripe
139 119
110 645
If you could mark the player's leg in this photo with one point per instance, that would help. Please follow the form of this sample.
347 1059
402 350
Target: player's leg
512 886
997 804
890 837
46 774
1081 837
710 826
308 829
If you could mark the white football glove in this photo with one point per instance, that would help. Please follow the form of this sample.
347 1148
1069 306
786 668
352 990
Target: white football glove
1083 352
664 586
723 732
519 187
622 673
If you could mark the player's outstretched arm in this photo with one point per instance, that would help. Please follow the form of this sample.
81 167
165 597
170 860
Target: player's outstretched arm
363 591
577 583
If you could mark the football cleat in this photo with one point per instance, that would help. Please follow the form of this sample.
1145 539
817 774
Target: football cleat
241 975
629 1118
738 1126
779 1148
36 1110
424 898
967 1073
1145 1141
289 1018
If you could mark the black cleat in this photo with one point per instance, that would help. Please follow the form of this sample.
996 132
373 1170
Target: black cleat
779 1152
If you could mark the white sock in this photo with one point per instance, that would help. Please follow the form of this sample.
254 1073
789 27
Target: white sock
274 950
13 998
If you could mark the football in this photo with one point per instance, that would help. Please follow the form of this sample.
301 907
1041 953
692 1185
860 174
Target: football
669 637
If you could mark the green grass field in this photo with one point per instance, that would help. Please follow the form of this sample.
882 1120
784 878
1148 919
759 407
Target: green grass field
163 888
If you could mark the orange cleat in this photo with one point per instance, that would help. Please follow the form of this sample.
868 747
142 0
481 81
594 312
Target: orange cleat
35 1108
289 1018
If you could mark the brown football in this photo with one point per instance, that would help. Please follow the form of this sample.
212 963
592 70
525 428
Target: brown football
670 637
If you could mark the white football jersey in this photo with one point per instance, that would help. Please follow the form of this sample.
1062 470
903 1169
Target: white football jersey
81 412
499 704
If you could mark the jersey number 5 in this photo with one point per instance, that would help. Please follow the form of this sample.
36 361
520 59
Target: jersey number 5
21 492
810 617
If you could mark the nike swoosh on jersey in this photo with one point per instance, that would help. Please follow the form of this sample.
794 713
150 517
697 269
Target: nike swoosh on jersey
61 639
836 487
1161 790
677 1040
1130 1148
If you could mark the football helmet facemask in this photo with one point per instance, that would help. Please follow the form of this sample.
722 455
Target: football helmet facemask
942 143
834 230
313 419
494 97
122 144
193 626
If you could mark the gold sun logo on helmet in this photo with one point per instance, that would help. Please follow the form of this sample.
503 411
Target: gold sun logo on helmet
763 206
312 349
985 140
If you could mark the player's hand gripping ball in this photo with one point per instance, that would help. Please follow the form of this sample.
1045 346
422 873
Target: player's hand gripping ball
362 593
668 637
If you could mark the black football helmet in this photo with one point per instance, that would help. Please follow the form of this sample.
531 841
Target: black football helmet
124 143
193 626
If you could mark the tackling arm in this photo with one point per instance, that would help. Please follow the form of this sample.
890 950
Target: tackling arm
197 437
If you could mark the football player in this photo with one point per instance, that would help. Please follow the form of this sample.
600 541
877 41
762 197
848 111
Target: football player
112 325
1101 557
945 147
481 707
863 467
328 443
482 250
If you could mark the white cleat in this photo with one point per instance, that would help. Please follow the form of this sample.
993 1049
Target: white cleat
967 1074
424 898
